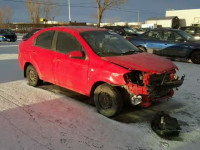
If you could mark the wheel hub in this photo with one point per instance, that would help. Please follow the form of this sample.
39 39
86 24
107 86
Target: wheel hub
32 75
105 100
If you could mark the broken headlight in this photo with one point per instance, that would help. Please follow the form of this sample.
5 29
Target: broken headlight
134 77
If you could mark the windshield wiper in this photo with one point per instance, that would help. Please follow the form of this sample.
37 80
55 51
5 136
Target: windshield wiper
104 54
129 52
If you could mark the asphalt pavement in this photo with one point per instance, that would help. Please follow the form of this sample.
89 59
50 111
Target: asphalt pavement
9 65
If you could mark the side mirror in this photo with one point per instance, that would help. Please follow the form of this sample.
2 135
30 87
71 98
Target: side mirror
76 54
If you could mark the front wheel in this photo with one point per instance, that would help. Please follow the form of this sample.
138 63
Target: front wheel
32 76
195 57
142 48
108 100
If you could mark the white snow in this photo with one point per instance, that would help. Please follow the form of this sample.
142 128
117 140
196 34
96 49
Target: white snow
8 56
38 119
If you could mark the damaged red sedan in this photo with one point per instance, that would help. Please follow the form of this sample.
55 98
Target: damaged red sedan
97 63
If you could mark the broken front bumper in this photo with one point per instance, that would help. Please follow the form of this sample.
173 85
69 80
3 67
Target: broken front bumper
147 94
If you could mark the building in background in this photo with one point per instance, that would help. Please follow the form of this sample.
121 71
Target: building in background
164 22
187 17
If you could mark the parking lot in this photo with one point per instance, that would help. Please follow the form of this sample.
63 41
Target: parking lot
50 117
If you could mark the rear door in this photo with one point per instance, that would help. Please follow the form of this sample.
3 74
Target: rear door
70 72
43 55
153 42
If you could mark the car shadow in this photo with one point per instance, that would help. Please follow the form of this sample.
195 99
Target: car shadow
136 114
129 114
183 60
65 92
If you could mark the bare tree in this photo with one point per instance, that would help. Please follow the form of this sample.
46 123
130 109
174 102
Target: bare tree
34 10
49 10
7 14
1 16
103 5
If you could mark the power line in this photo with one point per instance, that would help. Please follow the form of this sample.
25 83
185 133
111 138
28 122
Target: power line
85 5
46 3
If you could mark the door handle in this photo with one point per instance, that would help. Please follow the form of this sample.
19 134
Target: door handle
58 59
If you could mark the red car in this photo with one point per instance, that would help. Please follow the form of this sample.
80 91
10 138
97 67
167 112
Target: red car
97 63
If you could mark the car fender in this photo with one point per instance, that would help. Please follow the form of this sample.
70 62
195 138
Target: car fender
106 72
32 62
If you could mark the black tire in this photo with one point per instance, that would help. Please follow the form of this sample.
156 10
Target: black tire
108 100
142 48
195 57
32 76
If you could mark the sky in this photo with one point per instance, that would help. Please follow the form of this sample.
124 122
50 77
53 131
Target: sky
84 10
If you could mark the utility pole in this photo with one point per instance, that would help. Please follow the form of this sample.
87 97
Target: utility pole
138 18
69 11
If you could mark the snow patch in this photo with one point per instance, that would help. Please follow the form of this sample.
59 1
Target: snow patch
8 56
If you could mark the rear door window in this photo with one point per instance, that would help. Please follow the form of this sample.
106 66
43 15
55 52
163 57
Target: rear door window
153 35
67 43
30 34
45 39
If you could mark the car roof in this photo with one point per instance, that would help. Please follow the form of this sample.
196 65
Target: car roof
80 28
190 27
165 29
115 26
5 29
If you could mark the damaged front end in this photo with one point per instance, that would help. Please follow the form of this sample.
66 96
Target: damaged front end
144 88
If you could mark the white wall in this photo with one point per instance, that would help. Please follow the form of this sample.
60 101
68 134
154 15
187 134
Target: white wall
187 16
163 23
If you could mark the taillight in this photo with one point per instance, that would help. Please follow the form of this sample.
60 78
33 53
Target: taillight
172 76
128 38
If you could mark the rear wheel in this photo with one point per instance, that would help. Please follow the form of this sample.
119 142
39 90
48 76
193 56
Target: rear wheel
32 76
108 100
195 57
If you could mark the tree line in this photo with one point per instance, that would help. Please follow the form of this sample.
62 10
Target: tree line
48 10
6 14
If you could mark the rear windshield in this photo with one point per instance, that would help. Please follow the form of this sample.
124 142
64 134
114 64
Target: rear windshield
108 43
30 34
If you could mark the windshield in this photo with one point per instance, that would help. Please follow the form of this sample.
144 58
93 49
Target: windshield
108 43
186 35
129 30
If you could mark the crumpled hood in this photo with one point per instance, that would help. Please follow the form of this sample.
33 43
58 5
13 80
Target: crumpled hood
144 62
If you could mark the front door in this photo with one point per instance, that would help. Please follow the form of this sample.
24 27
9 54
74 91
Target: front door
175 45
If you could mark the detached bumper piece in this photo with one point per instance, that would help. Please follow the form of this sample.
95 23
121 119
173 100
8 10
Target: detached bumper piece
173 84
165 125
164 88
